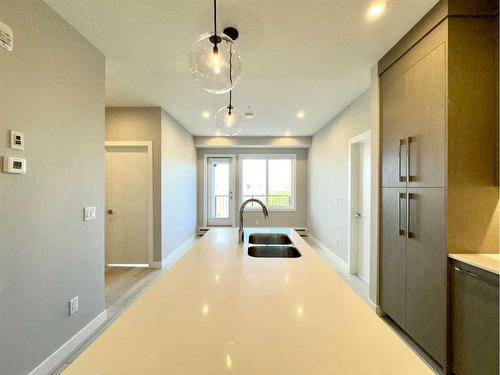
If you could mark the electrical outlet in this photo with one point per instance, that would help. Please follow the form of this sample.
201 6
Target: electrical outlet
73 305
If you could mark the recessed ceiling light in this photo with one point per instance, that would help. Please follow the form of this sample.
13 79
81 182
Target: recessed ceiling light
301 114
376 9
287 133
205 114
249 115
217 133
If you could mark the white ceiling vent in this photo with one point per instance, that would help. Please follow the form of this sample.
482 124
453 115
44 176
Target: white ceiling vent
6 37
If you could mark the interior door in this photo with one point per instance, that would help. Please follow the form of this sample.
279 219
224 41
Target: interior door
362 211
426 114
394 130
220 190
426 270
393 254
127 205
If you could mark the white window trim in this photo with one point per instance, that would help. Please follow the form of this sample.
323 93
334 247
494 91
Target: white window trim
292 157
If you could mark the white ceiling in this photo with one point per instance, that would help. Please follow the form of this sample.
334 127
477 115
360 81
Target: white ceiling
310 55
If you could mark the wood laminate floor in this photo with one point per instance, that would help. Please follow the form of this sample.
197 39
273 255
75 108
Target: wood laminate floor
121 281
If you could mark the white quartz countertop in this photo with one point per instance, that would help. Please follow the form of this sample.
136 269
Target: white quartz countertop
219 311
488 262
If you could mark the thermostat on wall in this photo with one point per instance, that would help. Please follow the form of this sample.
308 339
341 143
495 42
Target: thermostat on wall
14 165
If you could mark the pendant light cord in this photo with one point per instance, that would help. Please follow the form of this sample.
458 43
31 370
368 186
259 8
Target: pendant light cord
230 78
215 21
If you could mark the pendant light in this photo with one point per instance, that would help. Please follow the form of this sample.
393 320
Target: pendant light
209 60
228 121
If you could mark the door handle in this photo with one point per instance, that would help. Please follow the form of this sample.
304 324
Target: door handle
357 215
111 212
409 233
401 142
401 196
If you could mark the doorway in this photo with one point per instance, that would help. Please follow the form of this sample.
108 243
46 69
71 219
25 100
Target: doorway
219 191
359 207
129 204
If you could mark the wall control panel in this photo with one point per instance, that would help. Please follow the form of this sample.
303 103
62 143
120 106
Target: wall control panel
16 140
14 165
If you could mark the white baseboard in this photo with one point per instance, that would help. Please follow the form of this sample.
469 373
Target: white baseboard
55 359
342 264
176 254
156 265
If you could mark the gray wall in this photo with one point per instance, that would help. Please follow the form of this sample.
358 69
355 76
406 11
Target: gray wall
141 124
329 173
52 89
174 171
179 184
297 218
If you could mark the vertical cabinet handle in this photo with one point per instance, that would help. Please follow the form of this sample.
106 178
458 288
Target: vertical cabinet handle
408 152
409 233
401 142
401 231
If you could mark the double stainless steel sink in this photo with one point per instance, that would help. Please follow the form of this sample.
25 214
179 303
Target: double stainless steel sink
271 245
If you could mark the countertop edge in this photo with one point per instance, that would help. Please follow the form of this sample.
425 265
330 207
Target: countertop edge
475 260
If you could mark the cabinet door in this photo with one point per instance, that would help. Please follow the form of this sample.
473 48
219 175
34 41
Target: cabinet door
426 116
474 323
393 254
393 118
426 270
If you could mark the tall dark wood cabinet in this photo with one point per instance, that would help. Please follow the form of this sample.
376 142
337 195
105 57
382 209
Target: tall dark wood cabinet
438 113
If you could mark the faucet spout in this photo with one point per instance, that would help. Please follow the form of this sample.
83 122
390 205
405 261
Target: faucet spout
242 209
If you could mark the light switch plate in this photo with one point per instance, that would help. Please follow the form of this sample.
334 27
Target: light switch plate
89 213
16 140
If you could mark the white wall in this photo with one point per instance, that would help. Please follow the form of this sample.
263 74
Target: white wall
178 184
52 89
375 185
329 175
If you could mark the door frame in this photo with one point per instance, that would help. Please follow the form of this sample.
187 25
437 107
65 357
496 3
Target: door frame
232 205
352 260
149 147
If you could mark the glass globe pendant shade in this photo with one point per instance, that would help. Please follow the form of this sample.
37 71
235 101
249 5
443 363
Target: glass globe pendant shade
216 69
228 123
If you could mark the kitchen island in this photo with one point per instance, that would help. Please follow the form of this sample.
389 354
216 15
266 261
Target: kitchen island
218 310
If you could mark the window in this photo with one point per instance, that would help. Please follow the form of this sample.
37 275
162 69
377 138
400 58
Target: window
269 178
